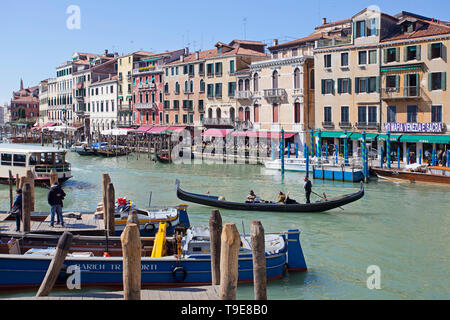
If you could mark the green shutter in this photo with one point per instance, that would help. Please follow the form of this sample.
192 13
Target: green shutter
418 52
377 85
323 86
443 52
444 80
339 85
385 51
405 54
356 85
397 54
429 81
429 51
349 86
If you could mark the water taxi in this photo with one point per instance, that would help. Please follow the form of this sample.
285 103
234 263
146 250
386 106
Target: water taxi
19 158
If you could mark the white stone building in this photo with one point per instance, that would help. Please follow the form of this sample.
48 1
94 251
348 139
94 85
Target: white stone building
102 109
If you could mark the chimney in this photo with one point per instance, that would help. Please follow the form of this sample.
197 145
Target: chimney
182 58
324 20
197 55
275 42
106 52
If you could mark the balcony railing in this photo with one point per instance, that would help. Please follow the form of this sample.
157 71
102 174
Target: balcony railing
148 69
244 95
146 106
367 125
146 86
324 43
243 125
345 124
274 93
217 122
402 93
328 124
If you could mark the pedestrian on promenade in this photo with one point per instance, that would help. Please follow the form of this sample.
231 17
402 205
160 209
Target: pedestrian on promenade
16 209
55 200
308 189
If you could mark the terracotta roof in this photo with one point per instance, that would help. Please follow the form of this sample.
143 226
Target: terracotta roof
428 28
310 38
249 42
334 23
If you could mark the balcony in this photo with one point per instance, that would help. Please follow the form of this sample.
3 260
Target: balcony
325 43
368 125
147 86
146 106
327 124
274 93
401 93
243 95
146 70
211 122
345 124
243 125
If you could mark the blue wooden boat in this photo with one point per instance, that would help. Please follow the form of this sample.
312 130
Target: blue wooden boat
338 173
190 267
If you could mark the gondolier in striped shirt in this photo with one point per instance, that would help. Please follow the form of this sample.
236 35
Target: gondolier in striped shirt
308 189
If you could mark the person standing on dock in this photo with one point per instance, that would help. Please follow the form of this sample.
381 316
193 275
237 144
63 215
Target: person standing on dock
308 189
55 200
17 208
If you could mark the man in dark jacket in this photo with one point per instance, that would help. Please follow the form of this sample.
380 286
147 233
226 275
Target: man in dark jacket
308 189
17 208
55 200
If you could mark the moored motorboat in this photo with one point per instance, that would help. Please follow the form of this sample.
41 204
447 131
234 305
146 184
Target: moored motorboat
425 174
163 157
319 206
186 262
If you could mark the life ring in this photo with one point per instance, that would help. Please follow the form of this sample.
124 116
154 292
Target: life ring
176 272
149 227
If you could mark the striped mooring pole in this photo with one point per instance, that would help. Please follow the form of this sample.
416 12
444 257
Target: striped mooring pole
296 149
448 160
282 151
312 146
363 154
433 158
345 149
398 158
388 150
420 156
336 151
307 160
319 144
289 150
381 157
407 156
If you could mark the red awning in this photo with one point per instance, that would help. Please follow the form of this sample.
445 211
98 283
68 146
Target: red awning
143 129
217 132
262 134
50 124
157 130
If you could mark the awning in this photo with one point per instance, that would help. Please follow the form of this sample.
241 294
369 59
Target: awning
333 134
115 132
50 124
217 132
394 137
403 67
157 130
172 130
425 138
142 129
369 136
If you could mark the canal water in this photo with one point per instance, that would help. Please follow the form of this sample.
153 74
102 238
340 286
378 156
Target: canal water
401 228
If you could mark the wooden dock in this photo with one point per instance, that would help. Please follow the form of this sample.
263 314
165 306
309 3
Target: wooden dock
185 293
86 225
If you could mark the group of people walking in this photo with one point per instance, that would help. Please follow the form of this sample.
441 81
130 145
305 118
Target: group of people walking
55 199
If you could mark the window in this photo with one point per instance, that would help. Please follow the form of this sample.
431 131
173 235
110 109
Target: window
411 114
176 118
372 114
297 112
362 114
167 118
391 55
437 81
392 114
368 85
209 70
255 82
372 56
296 78
360 85
6 159
275 80
344 85
362 57
275 113
232 66
345 114
218 69
202 85
210 91
344 59
360 29
392 82
372 84
412 53
372 28
327 114
436 113
435 50
327 61
231 89
19 160
327 86
218 90
295 52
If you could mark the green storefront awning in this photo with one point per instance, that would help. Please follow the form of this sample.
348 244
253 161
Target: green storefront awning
394 137
332 134
150 60
425 138
369 136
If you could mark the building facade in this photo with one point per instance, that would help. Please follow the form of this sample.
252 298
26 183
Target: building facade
102 108
43 103
25 105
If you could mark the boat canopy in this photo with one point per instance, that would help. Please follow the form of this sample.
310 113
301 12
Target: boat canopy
425 138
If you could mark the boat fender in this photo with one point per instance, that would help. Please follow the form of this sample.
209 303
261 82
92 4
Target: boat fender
149 227
177 272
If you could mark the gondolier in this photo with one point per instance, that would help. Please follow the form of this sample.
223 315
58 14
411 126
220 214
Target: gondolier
308 189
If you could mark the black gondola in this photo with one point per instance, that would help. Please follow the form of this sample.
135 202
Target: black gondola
319 206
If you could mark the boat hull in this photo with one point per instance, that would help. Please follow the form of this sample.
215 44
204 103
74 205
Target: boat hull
411 176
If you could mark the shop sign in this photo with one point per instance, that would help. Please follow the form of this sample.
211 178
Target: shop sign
434 127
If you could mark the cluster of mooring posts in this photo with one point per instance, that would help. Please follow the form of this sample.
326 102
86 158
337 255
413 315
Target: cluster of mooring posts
225 244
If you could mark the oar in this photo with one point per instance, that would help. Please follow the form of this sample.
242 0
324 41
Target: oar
324 198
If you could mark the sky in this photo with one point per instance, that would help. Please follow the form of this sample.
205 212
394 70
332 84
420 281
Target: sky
37 36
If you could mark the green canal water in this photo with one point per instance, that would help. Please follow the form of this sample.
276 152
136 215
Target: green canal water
401 228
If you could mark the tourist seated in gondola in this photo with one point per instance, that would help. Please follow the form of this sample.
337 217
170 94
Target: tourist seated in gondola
281 198
253 198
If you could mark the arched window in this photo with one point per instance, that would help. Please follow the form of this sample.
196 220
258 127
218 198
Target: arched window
202 85
255 82
297 115
232 114
275 80
240 85
247 114
166 88
218 113
297 78
177 88
241 114
191 86
247 85
186 87
256 113
275 113
210 113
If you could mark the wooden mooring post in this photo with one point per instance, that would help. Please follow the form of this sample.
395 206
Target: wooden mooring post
11 195
259 260
109 211
26 208
54 268
229 254
131 248
215 232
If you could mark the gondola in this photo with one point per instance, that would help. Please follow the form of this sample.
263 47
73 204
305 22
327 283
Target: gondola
319 206
163 157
